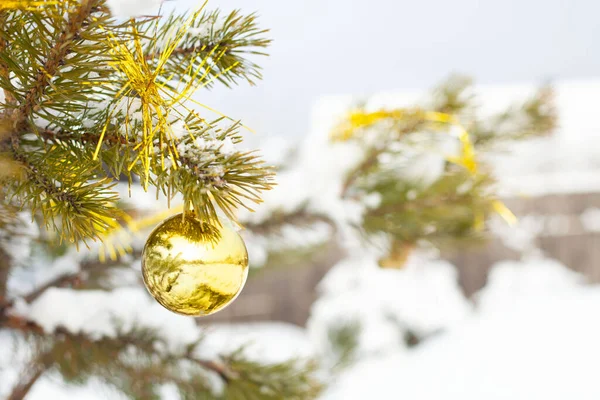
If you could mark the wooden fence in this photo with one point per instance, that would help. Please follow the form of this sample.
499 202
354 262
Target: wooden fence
286 294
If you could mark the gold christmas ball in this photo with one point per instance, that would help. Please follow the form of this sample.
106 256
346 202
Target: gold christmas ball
192 267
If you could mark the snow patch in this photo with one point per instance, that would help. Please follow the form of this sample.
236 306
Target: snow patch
422 298
511 283
265 342
535 336
99 313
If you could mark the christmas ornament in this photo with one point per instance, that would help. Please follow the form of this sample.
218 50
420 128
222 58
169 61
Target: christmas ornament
192 267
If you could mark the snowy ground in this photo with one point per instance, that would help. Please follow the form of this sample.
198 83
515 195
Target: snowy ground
533 334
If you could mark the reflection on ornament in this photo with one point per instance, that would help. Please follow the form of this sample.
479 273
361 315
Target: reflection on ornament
192 267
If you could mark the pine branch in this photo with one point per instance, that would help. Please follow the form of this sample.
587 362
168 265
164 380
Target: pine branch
271 382
83 207
535 117
456 204
31 327
51 65
418 205
77 356
454 96
4 71
343 340
50 188
68 190
408 123
448 211
229 178
228 40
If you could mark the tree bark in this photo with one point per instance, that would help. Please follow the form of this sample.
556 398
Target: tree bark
4 272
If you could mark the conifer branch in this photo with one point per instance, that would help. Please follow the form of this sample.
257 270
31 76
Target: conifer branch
52 64
25 325
230 39
4 71
242 378
78 79
535 117
35 175
84 202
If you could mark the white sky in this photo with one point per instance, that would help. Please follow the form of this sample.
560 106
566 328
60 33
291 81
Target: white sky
345 46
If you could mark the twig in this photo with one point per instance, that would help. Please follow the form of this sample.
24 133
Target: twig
276 221
66 279
61 281
184 51
24 386
49 134
219 369
420 204
358 171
